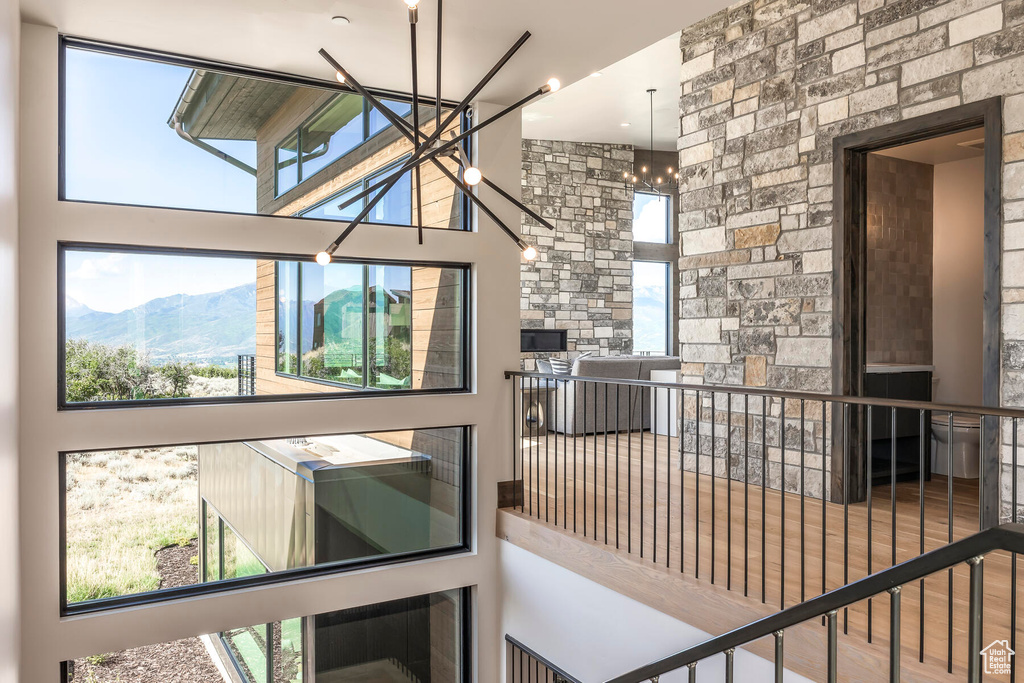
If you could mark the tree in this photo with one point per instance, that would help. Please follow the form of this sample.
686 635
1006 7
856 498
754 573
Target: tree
179 376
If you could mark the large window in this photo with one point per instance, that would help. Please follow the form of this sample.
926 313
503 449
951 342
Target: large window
339 127
161 326
153 519
651 311
358 325
152 130
393 209
651 218
421 638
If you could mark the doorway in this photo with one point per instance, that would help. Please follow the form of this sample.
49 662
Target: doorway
860 296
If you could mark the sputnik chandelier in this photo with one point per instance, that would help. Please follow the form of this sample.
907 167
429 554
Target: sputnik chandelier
428 148
649 179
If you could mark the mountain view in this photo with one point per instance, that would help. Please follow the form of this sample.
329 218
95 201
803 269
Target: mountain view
649 319
205 328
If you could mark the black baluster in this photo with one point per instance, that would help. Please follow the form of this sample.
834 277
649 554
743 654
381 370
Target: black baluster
764 497
846 509
782 507
894 634
803 497
746 494
949 513
714 508
617 491
728 492
871 524
920 495
779 656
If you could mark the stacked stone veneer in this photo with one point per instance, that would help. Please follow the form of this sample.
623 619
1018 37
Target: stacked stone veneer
766 88
582 280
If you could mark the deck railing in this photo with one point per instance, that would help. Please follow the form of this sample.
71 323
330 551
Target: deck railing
781 495
246 375
523 665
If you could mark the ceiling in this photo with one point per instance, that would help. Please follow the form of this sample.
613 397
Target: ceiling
594 108
941 150
571 38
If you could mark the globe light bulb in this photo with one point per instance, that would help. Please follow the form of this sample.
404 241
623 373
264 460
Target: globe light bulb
659 180
412 3
643 169
634 179
472 175
323 258
553 83
340 76
670 170
529 253
625 174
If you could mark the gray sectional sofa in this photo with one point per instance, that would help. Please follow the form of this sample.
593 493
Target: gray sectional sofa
580 407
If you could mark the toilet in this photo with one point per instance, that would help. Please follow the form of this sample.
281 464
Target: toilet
966 445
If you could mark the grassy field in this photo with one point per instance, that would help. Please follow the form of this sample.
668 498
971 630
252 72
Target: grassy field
123 506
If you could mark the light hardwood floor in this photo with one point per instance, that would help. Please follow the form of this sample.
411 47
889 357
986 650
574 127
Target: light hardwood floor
628 499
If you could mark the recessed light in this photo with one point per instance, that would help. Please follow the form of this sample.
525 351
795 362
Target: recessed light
596 74
624 125
341 21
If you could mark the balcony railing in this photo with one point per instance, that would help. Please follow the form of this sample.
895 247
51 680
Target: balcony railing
781 495
247 375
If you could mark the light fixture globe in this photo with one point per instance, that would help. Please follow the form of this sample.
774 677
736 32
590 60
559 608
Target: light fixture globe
472 176
412 3
323 258
530 253
554 84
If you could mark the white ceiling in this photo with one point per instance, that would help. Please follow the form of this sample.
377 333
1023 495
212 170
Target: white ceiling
594 108
571 38
940 150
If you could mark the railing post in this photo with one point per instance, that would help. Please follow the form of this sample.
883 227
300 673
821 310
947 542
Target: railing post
691 675
729 654
779 655
974 622
833 646
894 635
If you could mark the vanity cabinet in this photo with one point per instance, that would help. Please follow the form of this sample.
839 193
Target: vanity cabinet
910 383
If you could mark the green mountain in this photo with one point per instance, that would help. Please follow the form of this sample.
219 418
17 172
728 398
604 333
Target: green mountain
205 328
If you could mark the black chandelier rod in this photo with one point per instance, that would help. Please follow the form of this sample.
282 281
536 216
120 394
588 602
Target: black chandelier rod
398 122
457 111
413 16
522 207
446 147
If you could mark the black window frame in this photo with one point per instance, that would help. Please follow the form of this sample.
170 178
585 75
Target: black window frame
297 374
668 216
100 605
668 300
64 405
66 42
466 629
366 136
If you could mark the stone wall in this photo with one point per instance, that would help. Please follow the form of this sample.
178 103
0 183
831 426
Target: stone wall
766 87
899 280
581 280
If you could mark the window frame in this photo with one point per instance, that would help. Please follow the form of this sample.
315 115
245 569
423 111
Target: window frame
101 605
466 632
668 216
66 42
297 375
367 136
668 301
466 322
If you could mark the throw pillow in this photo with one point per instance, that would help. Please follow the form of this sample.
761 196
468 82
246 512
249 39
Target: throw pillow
560 366
543 366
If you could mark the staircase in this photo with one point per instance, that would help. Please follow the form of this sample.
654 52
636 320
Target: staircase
756 514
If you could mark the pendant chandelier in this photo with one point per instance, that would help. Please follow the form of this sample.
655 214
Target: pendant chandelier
428 148
649 178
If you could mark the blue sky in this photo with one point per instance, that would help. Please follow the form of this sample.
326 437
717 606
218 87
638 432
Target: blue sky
120 149
113 282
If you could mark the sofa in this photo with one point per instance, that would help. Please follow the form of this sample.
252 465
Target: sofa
580 407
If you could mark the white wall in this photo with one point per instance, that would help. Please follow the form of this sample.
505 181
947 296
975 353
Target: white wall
958 280
46 639
10 31
594 633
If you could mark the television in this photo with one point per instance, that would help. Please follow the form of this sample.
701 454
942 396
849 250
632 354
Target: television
548 341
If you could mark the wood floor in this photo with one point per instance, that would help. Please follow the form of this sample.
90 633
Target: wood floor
768 547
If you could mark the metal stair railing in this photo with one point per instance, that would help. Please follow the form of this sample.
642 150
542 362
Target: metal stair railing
1007 537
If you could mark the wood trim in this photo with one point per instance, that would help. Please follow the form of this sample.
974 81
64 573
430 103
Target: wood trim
849 339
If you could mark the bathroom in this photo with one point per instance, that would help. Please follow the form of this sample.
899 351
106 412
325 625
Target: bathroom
924 302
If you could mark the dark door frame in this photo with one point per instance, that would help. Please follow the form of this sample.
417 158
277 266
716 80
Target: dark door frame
850 266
